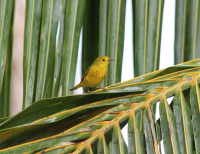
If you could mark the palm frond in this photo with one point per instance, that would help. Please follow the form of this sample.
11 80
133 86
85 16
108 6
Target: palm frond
92 123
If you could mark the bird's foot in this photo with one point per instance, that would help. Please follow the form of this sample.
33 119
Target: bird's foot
88 91
104 89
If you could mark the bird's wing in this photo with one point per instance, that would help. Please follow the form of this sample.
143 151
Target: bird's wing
85 74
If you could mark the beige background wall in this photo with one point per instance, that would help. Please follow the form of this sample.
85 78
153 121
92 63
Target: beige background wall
17 63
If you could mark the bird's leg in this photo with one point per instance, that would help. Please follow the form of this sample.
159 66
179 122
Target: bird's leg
88 90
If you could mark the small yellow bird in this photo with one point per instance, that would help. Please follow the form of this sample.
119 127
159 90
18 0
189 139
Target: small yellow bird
95 74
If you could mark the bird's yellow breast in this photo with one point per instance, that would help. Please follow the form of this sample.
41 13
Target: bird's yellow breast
95 76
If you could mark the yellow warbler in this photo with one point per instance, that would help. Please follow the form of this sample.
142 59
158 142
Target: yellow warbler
95 74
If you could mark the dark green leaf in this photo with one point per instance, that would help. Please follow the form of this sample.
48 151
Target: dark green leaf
118 143
164 128
115 39
59 51
147 132
6 86
73 24
194 100
31 46
50 17
147 21
90 34
103 20
6 11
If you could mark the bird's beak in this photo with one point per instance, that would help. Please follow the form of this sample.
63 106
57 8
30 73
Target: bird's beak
111 59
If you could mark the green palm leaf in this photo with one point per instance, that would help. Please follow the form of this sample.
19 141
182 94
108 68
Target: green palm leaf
103 20
115 39
147 20
73 24
187 33
31 43
90 34
59 52
6 43
49 25
93 122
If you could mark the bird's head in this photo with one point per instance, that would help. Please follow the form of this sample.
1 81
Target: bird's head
102 61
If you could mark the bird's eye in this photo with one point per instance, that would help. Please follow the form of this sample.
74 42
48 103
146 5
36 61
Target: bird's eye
103 59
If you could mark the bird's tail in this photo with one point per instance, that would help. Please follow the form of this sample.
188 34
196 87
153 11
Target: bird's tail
77 86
